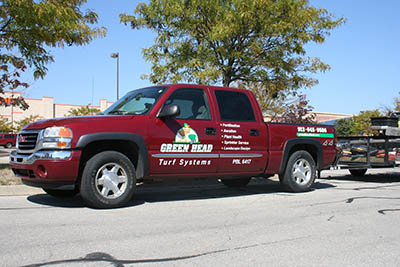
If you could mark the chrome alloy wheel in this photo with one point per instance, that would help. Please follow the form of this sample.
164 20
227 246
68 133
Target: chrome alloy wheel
302 171
111 181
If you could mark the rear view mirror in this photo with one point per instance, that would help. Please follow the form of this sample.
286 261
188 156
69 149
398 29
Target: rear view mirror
169 111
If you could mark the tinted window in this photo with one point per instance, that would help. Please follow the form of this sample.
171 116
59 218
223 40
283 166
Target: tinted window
234 106
192 103
9 136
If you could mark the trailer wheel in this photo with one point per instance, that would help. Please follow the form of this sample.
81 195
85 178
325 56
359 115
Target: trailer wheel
108 180
358 172
300 172
237 182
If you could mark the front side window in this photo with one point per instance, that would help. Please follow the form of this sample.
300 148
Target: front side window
234 106
192 102
137 102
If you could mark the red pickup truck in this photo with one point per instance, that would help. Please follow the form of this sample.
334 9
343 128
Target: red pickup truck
169 131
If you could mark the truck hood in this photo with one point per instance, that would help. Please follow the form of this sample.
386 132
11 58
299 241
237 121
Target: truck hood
74 120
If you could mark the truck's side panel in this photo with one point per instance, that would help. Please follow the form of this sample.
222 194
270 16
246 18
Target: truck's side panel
320 144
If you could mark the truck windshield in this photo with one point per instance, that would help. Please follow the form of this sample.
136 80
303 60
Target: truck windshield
136 102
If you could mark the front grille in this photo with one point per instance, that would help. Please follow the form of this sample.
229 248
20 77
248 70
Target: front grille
27 140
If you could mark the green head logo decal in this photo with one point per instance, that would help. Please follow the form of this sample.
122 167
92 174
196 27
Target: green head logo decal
186 135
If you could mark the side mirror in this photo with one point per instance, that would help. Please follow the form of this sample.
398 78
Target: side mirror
169 111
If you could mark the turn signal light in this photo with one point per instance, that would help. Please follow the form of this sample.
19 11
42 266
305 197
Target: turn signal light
61 144
65 133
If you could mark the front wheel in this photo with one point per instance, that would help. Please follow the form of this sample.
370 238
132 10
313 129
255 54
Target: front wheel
300 172
108 180
236 182
8 145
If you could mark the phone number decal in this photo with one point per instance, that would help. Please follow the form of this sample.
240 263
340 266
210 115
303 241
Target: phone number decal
313 132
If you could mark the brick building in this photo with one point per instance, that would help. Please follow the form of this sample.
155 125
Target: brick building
45 108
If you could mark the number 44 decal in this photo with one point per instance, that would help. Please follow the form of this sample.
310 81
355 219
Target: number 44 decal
328 142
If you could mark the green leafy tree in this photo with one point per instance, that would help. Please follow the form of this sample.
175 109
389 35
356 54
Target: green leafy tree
362 122
28 28
83 111
344 127
21 124
357 125
5 126
219 41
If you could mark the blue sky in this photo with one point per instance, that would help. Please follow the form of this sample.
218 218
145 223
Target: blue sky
363 55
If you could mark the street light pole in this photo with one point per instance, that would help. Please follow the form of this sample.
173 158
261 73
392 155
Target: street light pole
116 55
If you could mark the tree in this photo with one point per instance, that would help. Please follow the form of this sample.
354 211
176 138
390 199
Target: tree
357 125
28 28
20 124
83 111
271 104
344 127
393 110
362 122
220 41
298 111
5 126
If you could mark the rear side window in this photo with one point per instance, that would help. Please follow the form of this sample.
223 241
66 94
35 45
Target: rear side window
9 136
234 106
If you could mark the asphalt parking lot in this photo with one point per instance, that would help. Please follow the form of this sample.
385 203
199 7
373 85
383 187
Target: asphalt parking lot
345 221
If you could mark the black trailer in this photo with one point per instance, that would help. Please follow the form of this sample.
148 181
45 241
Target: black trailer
359 153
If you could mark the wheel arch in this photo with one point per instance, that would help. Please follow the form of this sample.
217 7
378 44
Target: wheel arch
131 145
312 146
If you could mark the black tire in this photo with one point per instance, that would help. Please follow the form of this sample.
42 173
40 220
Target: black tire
236 182
8 145
358 172
61 193
300 172
108 180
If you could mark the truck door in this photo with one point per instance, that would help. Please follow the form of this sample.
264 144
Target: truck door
185 144
243 135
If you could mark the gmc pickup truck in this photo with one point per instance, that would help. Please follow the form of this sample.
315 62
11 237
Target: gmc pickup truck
168 131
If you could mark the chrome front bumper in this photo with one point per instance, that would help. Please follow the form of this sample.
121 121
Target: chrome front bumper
16 158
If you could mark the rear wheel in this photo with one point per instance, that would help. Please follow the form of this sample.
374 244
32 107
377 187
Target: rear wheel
358 172
108 180
300 172
236 182
8 145
61 193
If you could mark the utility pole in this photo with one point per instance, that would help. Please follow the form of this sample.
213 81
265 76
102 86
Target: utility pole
116 55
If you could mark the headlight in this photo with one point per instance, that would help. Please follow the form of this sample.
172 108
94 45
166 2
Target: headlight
57 137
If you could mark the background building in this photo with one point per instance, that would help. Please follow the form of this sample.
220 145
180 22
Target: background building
45 108
329 118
